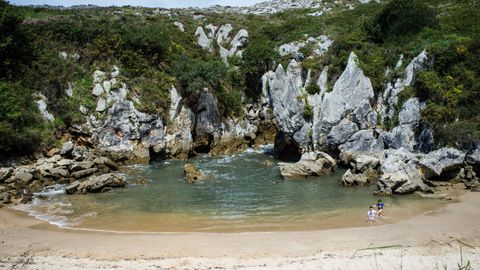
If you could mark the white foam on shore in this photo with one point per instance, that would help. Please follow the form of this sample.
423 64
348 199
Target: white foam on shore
47 207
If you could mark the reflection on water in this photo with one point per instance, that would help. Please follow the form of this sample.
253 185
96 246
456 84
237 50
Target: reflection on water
243 192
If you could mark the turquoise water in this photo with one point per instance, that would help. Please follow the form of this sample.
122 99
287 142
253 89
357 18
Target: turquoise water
243 192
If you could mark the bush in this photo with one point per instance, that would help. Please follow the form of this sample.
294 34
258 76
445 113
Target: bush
22 131
258 58
313 89
400 18
15 50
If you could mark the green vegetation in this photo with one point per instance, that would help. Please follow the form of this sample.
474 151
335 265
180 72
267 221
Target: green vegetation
153 55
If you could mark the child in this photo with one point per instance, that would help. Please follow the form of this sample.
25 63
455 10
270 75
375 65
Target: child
372 215
380 205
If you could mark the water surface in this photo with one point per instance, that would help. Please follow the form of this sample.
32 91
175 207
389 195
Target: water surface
243 192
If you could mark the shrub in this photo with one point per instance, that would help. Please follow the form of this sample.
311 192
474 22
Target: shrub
399 18
21 127
313 89
258 58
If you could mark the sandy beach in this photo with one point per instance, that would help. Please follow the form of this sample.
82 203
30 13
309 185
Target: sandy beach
432 240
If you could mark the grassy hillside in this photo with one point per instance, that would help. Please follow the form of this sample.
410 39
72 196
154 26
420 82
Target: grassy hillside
153 54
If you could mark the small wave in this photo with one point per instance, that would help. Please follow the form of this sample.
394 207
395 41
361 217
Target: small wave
51 191
266 149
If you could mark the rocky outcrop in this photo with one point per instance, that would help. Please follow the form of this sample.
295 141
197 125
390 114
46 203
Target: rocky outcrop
77 164
400 174
96 184
441 162
121 131
319 46
352 94
390 96
178 139
192 174
311 164
227 46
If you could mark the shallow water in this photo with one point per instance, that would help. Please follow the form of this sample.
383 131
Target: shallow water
243 192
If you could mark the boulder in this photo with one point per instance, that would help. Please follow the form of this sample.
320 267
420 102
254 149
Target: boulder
96 184
400 174
23 177
202 39
84 173
65 162
5 173
67 148
52 152
360 162
469 177
358 179
311 164
83 165
192 174
438 163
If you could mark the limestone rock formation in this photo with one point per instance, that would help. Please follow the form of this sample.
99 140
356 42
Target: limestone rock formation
311 164
438 163
351 92
400 174
227 46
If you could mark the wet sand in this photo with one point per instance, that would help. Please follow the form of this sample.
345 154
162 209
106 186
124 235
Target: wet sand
428 241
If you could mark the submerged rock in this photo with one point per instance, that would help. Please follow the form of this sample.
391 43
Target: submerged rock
192 174
96 184
311 164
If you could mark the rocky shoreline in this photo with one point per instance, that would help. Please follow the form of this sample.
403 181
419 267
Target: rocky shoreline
346 127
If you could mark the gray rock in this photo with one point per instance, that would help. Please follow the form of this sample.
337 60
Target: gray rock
84 173
97 90
365 141
59 173
342 132
207 120
23 177
78 166
354 179
101 105
65 162
311 164
67 148
352 92
180 26
399 174
240 41
42 107
360 162
202 38
410 113
5 173
223 33
441 161
96 184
